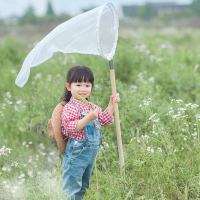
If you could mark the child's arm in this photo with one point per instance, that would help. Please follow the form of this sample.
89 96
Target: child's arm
84 121
111 104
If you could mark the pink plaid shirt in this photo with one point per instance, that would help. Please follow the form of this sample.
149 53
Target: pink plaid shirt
71 115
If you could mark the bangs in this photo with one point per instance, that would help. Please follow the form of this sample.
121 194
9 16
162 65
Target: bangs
82 74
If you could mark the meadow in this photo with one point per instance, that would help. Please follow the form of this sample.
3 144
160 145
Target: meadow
157 76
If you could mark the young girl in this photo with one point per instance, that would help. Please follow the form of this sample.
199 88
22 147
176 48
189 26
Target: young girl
81 121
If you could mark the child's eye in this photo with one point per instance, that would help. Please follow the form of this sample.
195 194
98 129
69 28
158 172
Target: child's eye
87 85
78 85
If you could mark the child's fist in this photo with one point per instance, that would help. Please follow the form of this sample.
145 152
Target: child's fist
117 99
93 115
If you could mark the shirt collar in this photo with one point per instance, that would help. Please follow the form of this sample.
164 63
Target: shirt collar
80 102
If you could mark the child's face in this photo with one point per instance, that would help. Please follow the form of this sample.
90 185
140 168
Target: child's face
82 88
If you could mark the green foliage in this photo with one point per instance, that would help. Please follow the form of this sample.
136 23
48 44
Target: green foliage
196 7
157 76
49 9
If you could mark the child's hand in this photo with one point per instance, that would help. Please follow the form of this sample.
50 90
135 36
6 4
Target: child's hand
117 99
93 115
111 103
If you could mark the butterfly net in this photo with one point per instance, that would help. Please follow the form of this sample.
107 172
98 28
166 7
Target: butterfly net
94 32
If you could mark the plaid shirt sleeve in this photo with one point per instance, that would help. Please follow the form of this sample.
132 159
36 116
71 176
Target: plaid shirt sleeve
104 117
69 119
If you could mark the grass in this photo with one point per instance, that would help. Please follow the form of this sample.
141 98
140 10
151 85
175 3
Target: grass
158 80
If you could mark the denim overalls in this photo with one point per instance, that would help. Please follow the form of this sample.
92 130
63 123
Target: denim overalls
78 161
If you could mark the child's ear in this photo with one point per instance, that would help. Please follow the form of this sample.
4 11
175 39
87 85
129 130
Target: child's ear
68 86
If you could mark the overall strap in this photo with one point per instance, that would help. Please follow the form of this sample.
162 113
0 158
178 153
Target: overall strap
86 136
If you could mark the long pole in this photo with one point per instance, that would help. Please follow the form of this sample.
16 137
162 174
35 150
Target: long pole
116 112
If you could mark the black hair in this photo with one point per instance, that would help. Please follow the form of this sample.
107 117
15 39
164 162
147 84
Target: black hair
77 74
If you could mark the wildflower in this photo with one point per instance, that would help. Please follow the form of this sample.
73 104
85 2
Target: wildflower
4 182
151 79
24 143
49 77
149 149
174 150
138 141
159 149
30 173
38 76
179 101
135 87
41 145
13 191
30 142
7 186
49 159
19 102
3 169
182 148
21 176
152 150
8 95
15 163
27 146
16 108
52 153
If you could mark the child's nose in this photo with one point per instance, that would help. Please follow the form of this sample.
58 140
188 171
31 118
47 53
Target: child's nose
83 88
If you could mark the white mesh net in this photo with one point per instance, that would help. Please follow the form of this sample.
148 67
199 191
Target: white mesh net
94 32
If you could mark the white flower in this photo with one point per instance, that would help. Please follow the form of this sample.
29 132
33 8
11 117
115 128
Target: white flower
24 143
49 159
38 76
15 163
152 150
148 149
21 176
3 169
4 182
8 95
16 108
138 141
30 173
179 100
49 77
19 102
30 142
52 153
41 145
174 150
159 149
13 71
151 79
